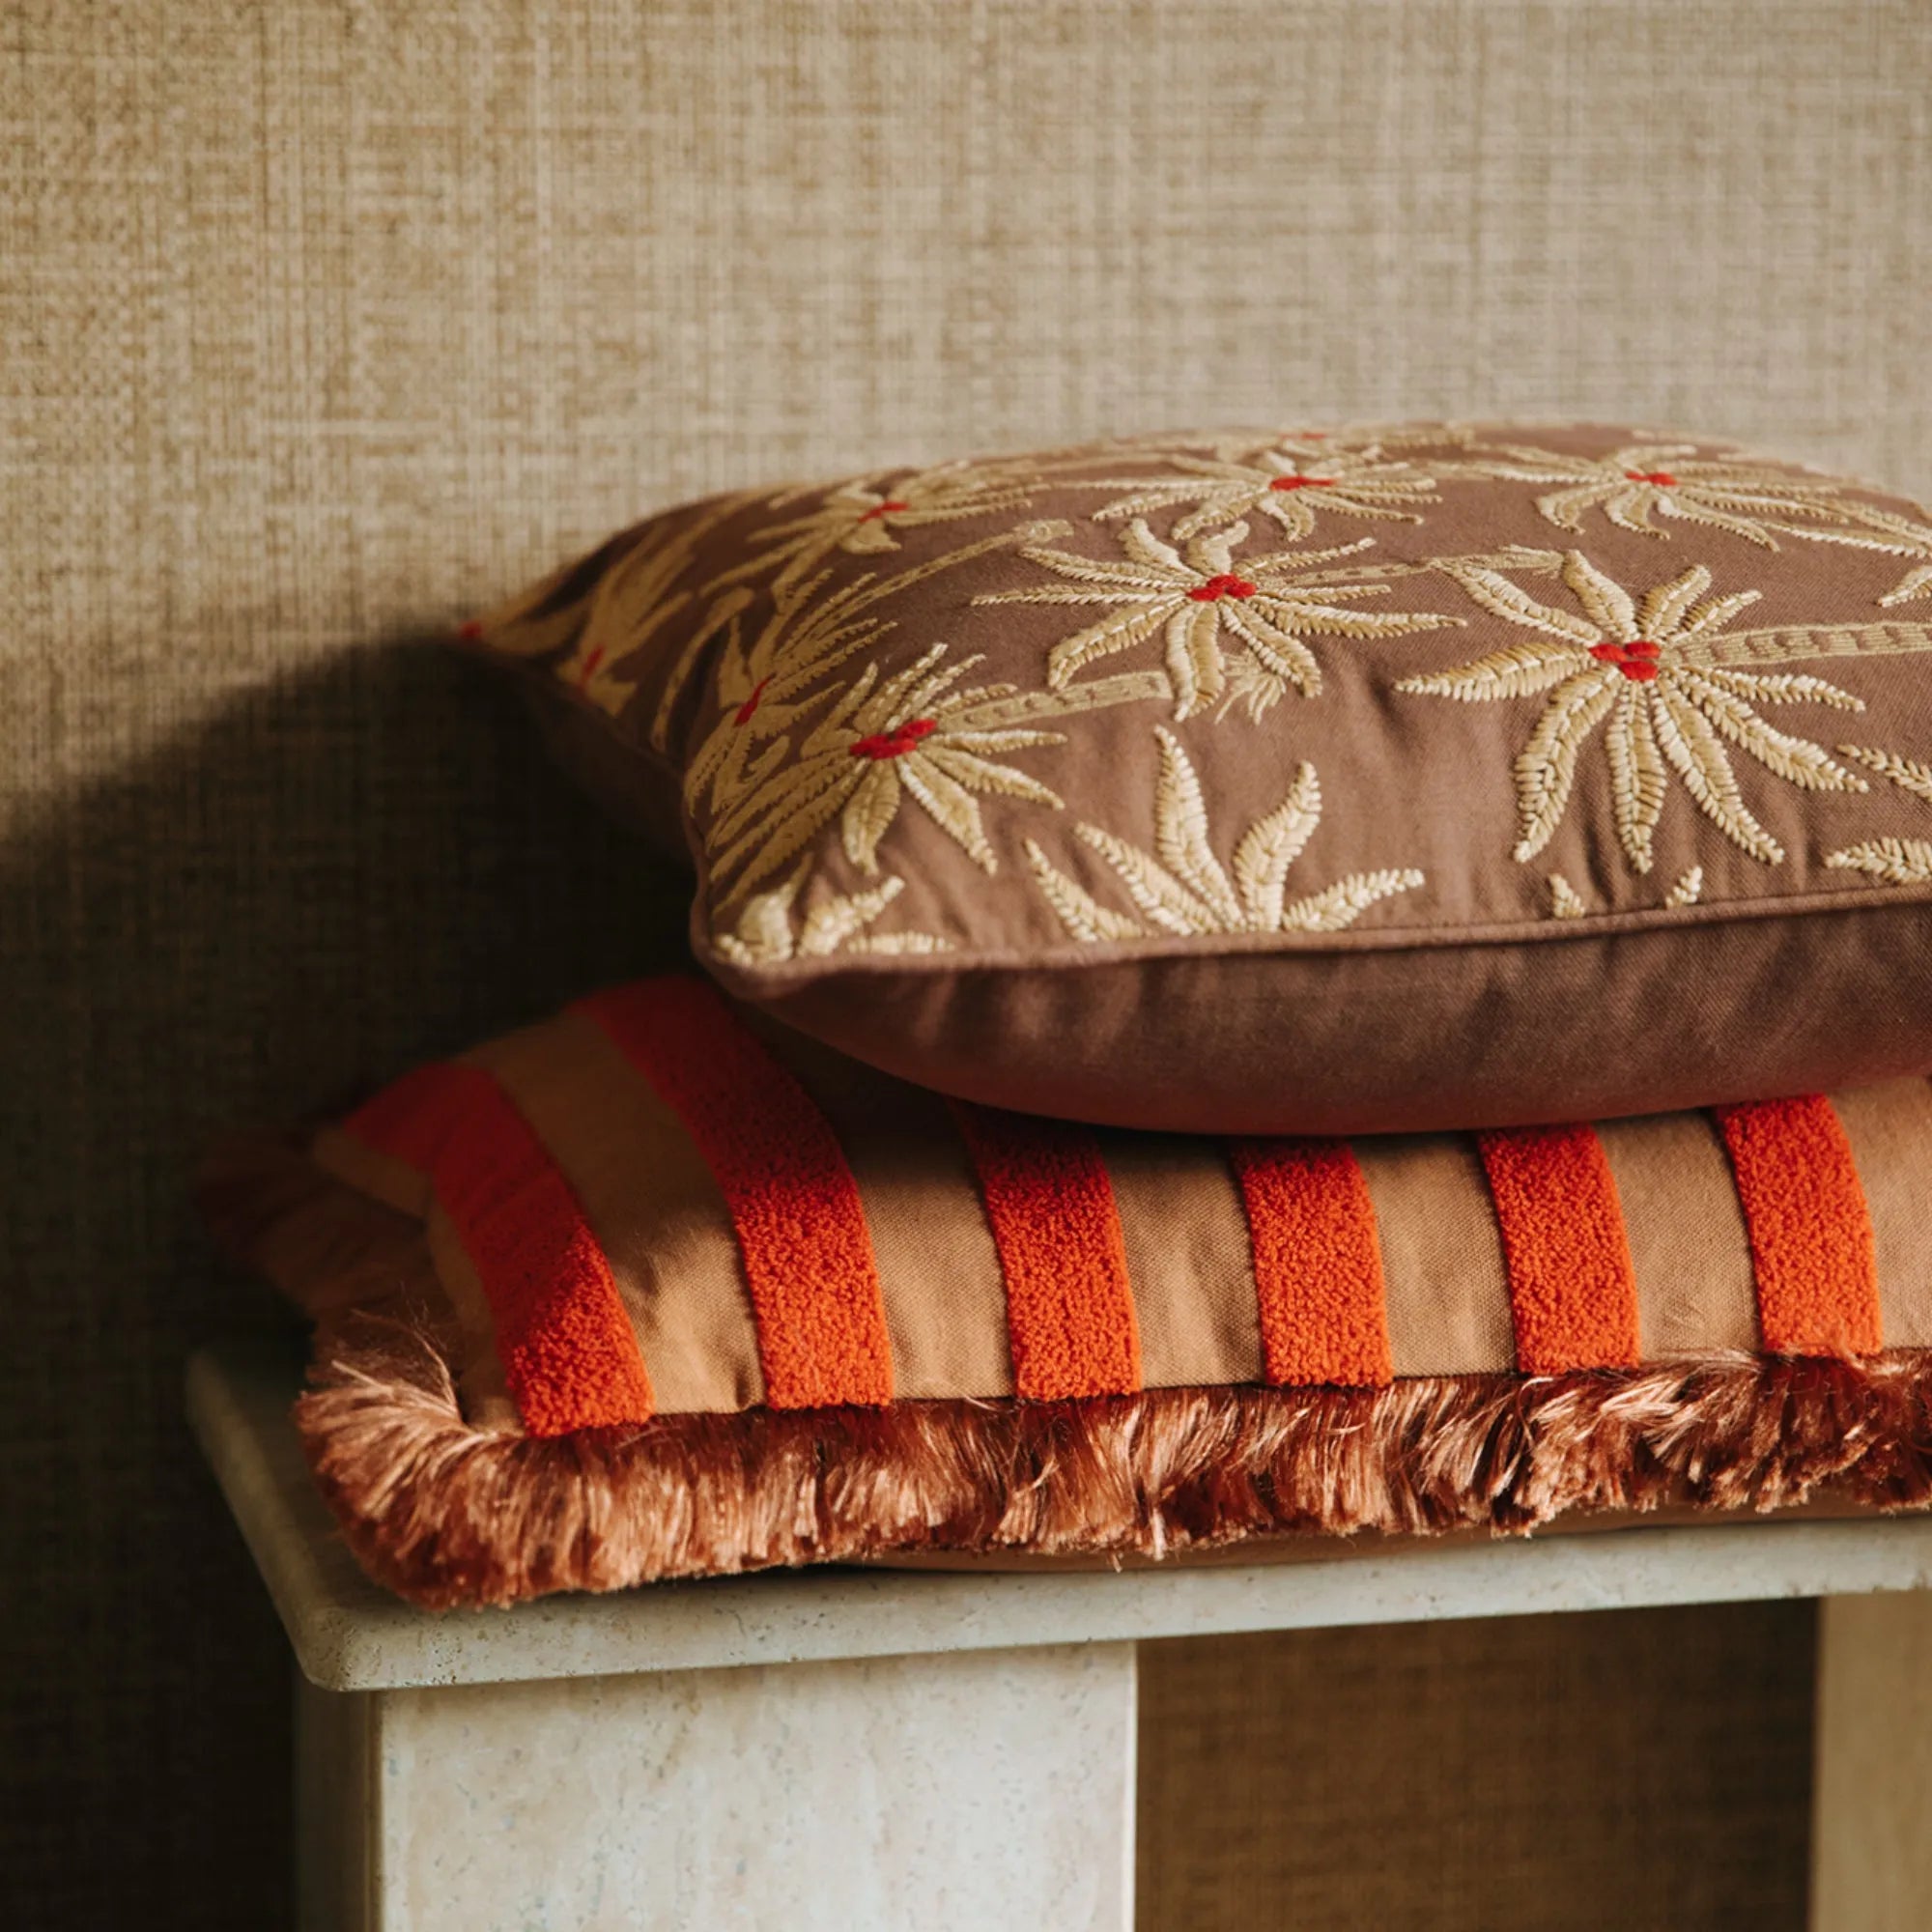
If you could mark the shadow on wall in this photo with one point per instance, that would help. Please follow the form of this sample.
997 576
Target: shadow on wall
333 876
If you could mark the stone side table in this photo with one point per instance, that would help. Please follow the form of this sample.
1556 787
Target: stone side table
855 1750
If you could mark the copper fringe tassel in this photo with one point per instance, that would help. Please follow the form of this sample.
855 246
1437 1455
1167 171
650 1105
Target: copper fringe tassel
447 1514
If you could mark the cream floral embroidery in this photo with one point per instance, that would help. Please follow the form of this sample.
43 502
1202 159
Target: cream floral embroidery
1892 862
863 518
1892 536
1687 890
1655 672
884 740
1565 901
1182 888
1197 598
790 750
1909 773
770 931
762 687
1629 486
632 602
1286 482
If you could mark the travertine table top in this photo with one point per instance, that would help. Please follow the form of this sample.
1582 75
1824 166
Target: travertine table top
350 1635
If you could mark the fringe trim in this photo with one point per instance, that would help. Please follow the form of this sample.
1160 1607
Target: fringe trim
447 1515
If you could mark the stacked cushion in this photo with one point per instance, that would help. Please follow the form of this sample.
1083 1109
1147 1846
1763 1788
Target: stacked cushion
1288 781
696 1295
1168 906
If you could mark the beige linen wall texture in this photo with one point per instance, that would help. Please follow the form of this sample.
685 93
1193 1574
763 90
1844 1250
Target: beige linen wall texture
321 323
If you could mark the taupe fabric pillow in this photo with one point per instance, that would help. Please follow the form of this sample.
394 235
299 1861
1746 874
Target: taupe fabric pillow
1288 781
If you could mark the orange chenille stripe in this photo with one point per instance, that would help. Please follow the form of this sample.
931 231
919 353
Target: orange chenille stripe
1318 1262
1810 1234
1070 1310
800 1223
1573 1292
566 1345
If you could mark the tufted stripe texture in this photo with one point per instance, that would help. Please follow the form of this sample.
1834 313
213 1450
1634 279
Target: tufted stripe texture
784 1233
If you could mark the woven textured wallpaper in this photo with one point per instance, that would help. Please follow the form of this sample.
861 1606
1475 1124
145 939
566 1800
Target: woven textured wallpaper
1644 1772
321 324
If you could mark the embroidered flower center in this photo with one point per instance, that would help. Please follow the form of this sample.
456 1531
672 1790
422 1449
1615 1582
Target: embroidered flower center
886 509
898 742
743 715
1637 660
1218 588
1300 482
1662 478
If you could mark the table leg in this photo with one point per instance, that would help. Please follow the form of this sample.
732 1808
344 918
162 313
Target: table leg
966 1791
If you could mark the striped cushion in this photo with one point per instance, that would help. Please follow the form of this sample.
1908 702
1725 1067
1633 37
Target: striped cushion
655 1204
656 1290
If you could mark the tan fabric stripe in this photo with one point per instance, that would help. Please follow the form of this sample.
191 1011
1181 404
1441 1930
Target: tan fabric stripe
1442 1256
939 1272
1688 1246
485 1392
652 1205
394 1182
1188 1257
1891 1131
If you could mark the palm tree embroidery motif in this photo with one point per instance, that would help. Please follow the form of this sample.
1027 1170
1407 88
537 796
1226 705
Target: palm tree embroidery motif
1893 535
1567 902
772 931
864 517
1659 674
1287 481
1889 861
1182 888
881 741
789 749
615 623
1198 596
1629 486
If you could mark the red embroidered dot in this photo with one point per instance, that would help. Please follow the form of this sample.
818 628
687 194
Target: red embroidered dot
1637 660
879 510
589 668
1300 482
898 742
1662 478
1218 588
743 714
469 632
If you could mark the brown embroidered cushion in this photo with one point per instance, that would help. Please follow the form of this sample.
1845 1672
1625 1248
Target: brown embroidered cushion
657 1288
1289 780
